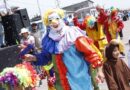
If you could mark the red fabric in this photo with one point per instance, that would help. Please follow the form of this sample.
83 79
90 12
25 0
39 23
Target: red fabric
102 17
62 72
106 28
80 25
96 44
108 36
83 44
120 25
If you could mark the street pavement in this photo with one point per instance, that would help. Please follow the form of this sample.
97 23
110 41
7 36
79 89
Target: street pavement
103 86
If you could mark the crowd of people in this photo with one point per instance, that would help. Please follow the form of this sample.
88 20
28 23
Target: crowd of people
78 56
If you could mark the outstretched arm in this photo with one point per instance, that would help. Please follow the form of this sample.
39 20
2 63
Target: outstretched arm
102 16
40 58
76 22
92 55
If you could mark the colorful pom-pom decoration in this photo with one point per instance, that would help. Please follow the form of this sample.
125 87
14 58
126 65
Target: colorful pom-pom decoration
21 75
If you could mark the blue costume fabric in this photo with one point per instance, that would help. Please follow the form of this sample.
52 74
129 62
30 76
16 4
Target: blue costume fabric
49 45
78 69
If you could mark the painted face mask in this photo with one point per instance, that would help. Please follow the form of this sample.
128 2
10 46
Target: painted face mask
55 21
56 24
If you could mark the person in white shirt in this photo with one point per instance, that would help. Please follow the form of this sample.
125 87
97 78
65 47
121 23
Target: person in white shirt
26 38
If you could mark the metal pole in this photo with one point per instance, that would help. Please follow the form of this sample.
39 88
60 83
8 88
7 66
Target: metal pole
57 4
39 8
6 5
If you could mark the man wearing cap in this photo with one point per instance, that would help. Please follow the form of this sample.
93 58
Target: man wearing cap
37 35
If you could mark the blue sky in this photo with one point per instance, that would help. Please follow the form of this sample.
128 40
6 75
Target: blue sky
33 9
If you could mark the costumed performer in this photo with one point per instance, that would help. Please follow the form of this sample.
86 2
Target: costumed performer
73 51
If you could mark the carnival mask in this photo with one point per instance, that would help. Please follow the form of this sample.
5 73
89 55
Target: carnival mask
56 24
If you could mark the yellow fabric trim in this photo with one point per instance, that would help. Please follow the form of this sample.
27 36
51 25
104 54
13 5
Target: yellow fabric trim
51 88
48 67
112 29
97 50
102 44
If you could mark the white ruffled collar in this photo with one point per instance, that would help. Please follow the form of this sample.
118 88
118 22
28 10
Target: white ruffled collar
68 37
57 35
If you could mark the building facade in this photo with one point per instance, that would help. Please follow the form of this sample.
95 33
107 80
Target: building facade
82 8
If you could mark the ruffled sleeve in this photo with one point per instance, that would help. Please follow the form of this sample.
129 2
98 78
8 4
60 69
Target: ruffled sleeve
85 45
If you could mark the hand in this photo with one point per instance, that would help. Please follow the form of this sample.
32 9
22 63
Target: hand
21 46
29 57
100 77
51 81
118 30
43 75
98 8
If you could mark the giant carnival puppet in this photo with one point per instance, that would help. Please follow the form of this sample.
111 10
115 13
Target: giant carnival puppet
112 24
72 51
94 30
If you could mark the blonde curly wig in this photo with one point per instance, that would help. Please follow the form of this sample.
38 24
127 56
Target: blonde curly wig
50 11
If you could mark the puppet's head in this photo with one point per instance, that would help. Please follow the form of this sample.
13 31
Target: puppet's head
90 21
54 18
100 9
114 12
